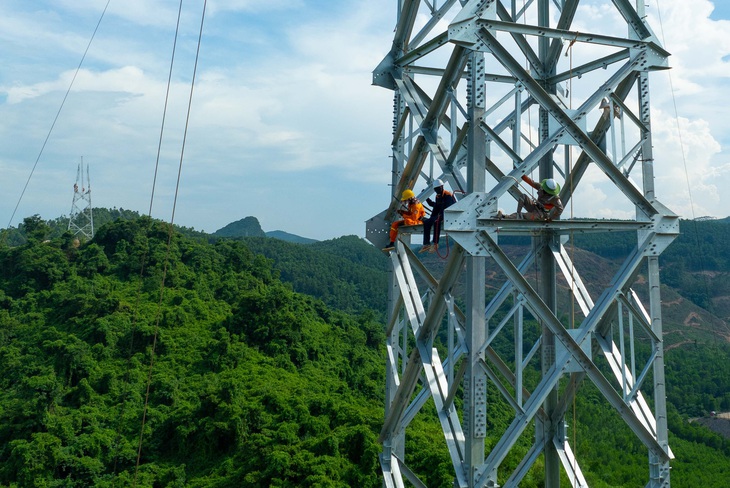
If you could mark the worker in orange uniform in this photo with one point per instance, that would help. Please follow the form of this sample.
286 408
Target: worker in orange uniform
548 205
412 214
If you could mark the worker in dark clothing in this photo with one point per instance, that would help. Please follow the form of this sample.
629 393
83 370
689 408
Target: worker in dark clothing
444 199
547 206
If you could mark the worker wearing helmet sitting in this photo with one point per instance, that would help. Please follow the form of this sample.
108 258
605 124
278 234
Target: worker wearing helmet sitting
547 206
412 214
443 200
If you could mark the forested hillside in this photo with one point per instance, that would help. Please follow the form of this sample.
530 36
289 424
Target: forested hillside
696 263
346 273
14 236
698 359
251 384
212 355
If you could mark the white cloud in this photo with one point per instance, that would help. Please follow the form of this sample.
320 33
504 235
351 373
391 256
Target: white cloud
128 79
158 13
688 178
219 6
283 112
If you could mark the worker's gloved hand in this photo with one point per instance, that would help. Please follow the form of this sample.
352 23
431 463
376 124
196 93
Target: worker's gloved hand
429 201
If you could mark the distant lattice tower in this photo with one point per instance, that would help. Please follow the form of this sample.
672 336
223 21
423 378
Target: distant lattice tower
486 92
81 220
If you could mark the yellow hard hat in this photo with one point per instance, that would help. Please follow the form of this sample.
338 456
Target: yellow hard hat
407 194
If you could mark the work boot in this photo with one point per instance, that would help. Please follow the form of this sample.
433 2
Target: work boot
389 247
425 248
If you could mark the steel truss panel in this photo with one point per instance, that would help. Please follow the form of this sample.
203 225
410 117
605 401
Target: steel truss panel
483 95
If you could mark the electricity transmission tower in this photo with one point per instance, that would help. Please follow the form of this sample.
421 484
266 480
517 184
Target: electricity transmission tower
485 92
81 220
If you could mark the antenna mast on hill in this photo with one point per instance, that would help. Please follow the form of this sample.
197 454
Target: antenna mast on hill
81 220
485 92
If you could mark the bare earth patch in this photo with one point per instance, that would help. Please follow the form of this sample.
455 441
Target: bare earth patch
720 423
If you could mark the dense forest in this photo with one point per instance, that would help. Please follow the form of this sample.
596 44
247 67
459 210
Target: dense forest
223 376
696 263
161 357
346 273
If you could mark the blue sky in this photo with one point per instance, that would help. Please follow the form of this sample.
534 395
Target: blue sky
722 10
285 124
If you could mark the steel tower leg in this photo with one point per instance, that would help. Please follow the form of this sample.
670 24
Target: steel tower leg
476 379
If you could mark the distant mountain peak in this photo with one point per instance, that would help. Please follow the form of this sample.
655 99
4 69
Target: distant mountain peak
250 227
246 227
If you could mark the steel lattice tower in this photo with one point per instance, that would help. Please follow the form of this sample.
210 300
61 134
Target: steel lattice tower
487 91
81 219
